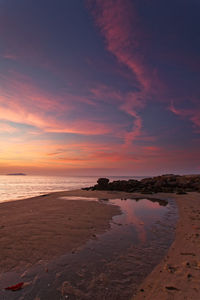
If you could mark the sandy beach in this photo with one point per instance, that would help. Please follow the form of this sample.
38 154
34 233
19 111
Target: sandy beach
177 276
44 227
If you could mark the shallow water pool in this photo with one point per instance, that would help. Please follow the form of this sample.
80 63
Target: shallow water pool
110 265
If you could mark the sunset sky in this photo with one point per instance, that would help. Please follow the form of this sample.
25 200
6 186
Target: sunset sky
100 87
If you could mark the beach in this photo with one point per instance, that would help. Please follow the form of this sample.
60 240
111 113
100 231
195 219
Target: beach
45 227
177 276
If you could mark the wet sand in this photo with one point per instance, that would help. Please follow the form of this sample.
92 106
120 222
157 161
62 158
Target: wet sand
44 227
177 276
47 226
108 266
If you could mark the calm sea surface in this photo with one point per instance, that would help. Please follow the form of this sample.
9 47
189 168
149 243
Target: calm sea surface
19 187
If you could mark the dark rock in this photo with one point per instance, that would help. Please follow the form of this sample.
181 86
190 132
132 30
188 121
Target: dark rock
181 192
172 288
102 184
87 188
103 181
146 192
168 183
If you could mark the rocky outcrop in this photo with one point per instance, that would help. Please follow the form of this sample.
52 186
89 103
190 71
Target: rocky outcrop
168 183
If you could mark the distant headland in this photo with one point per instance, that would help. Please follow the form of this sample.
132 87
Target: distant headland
16 174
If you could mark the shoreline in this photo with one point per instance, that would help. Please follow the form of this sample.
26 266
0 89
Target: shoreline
176 277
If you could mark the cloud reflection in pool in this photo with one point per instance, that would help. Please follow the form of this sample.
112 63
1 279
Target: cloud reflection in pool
139 213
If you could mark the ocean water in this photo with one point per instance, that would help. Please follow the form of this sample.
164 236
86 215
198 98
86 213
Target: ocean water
19 187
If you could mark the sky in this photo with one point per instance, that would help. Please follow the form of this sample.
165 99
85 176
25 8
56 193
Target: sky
100 87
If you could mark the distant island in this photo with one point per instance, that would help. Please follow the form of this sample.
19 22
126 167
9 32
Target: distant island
16 174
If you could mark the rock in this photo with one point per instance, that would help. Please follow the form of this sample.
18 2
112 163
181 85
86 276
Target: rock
180 192
168 183
103 181
146 192
172 288
87 188
102 184
170 269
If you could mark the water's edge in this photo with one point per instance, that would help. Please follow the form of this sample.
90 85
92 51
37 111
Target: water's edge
109 266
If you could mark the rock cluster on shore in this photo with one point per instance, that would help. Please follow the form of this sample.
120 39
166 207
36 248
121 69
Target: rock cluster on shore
169 183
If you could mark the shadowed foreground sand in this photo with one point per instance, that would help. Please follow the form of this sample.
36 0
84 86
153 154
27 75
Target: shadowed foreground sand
41 228
46 226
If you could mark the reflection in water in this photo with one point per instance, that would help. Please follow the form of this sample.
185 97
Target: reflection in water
141 214
112 265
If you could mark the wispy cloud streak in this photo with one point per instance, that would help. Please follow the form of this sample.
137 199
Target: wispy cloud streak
192 114
116 20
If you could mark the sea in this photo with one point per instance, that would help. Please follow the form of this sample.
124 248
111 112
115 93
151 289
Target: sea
16 187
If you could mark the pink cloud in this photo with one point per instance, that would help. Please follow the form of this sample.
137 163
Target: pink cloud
152 148
192 114
62 154
118 23
22 101
80 127
135 132
123 33
115 20
95 153
132 103
129 103
20 114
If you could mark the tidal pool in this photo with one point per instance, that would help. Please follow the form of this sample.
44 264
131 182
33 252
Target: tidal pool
111 265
